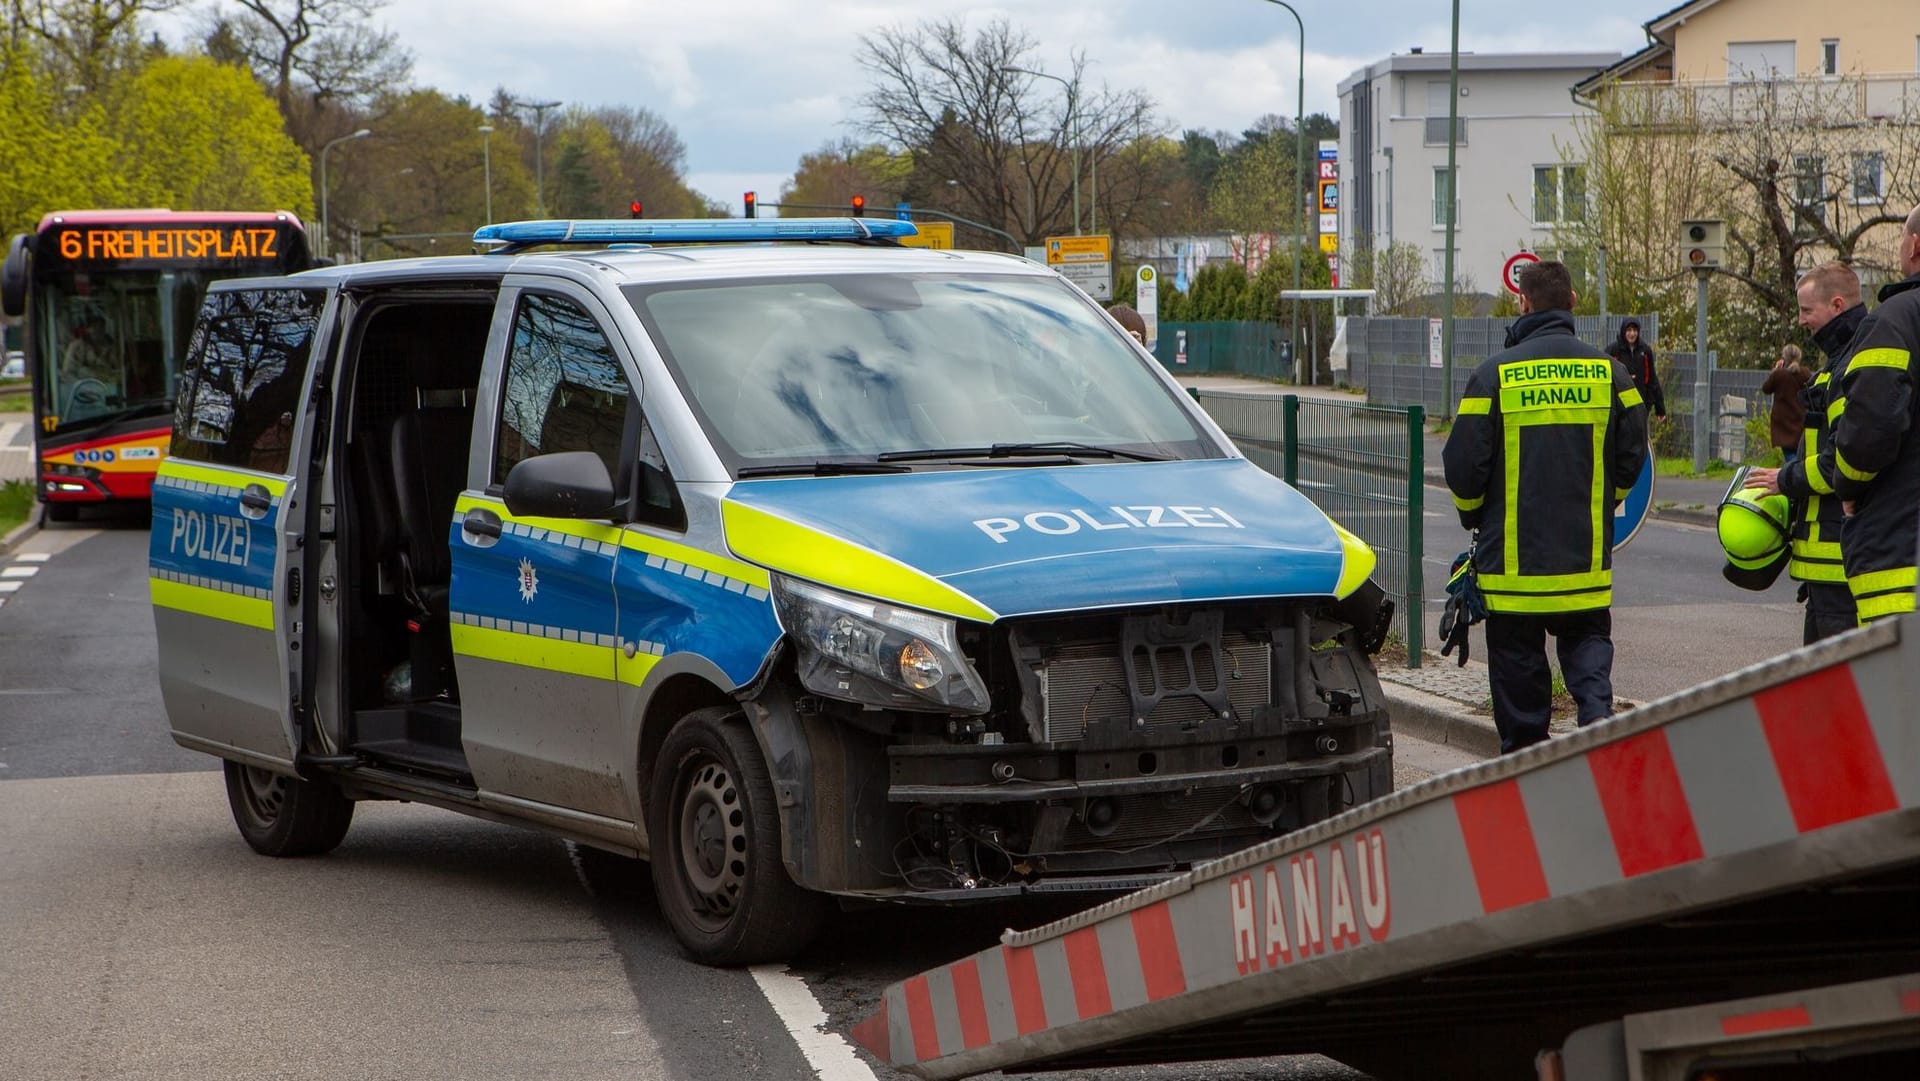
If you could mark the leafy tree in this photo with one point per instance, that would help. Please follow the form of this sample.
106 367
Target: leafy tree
194 134
418 186
33 121
832 175
85 43
1397 274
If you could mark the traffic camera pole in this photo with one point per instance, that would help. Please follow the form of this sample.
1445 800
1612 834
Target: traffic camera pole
1451 208
1702 375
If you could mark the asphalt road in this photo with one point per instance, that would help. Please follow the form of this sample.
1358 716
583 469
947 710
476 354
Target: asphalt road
140 938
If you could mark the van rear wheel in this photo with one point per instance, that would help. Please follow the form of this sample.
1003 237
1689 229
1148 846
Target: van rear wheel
286 816
715 836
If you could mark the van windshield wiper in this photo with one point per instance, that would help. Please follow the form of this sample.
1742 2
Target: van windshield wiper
1053 448
820 469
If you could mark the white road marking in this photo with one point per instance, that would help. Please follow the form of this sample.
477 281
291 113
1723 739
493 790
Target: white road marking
19 572
9 587
33 557
832 1057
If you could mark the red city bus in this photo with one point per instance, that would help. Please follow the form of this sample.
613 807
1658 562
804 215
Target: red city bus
110 298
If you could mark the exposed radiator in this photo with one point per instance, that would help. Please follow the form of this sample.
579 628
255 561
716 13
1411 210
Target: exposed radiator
1082 684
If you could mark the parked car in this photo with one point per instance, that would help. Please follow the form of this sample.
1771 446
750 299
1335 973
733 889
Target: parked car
15 365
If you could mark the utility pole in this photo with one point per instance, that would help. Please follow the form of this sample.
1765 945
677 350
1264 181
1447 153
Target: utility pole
539 138
1452 208
1300 169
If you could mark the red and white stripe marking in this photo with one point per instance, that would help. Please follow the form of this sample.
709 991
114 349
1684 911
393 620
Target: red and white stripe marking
1663 791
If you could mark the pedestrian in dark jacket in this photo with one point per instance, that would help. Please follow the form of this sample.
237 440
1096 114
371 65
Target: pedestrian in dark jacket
1785 382
1630 351
1549 436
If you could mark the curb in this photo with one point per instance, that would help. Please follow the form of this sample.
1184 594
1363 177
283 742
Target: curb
22 531
1440 720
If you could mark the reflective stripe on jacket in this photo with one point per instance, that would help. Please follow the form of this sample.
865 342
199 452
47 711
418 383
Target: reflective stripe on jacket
1550 435
1873 457
1817 517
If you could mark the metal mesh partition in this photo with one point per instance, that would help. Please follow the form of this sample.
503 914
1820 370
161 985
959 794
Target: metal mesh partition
1392 357
1256 348
1361 464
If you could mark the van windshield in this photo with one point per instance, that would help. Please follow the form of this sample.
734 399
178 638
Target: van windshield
860 366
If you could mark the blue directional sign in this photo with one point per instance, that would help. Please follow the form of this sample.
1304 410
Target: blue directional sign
1631 513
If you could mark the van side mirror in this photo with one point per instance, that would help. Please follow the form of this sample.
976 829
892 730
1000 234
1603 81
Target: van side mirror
567 484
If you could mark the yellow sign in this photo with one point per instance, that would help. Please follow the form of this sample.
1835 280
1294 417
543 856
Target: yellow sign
1329 243
933 234
1079 249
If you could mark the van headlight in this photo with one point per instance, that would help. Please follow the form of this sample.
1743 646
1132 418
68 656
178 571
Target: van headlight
868 651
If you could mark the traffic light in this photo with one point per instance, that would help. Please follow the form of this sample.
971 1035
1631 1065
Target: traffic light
633 209
751 201
859 206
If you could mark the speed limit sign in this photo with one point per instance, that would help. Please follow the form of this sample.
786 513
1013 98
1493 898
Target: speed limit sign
1510 274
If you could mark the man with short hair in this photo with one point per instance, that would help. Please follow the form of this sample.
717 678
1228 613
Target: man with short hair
1830 308
1874 455
1550 435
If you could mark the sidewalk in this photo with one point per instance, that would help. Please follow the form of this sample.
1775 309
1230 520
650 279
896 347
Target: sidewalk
1675 499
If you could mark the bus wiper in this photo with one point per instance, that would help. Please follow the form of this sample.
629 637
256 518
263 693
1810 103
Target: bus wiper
820 469
1053 448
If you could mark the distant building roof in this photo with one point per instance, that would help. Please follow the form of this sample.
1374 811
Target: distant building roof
1483 62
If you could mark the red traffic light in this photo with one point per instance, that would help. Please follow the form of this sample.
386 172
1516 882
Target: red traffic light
752 204
859 206
633 209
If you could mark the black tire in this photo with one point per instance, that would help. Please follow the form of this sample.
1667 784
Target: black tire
286 816
715 834
63 512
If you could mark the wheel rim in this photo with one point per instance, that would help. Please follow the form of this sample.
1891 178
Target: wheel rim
711 840
263 794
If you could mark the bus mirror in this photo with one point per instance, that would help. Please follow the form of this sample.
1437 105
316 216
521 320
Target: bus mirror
13 278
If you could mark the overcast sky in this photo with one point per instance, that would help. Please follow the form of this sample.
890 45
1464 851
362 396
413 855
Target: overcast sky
752 84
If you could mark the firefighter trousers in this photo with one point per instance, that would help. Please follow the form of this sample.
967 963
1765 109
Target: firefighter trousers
1522 681
1830 611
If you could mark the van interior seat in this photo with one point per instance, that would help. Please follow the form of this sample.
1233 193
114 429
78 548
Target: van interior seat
427 457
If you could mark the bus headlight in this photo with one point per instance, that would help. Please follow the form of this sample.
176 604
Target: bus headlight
861 650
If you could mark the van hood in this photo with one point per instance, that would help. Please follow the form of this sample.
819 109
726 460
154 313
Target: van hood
989 543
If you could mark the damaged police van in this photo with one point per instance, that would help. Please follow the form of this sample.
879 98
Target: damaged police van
798 562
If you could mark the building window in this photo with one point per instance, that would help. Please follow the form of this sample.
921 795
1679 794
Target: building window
1759 61
1559 194
1439 95
1440 186
1870 177
1830 56
1810 187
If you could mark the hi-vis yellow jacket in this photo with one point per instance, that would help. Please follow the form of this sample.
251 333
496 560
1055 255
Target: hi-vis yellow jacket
1874 459
1817 517
1549 436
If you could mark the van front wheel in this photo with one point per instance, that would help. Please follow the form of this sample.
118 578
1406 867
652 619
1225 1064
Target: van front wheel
286 816
716 847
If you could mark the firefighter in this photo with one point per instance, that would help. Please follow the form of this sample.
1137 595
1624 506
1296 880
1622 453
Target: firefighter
1830 308
1550 434
1875 453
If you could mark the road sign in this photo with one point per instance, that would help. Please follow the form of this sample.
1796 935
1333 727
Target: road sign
1329 170
1631 513
1510 274
1434 342
1086 261
933 234
1146 286
1329 196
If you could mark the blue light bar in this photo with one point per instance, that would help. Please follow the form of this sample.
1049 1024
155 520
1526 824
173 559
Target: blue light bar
514 236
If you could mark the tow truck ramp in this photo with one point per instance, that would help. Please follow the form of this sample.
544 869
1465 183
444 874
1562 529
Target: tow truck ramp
1754 835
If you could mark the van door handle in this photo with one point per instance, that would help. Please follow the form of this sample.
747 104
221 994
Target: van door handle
255 501
481 523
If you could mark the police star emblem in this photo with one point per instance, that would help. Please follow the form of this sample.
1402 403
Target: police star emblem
529 581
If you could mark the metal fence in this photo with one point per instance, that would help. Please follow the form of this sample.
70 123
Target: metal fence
1736 400
1361 464
1392 357
1256 348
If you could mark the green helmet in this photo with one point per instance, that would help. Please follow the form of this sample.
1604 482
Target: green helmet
1753 532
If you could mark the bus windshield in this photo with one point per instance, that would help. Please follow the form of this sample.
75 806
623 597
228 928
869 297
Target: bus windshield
111 346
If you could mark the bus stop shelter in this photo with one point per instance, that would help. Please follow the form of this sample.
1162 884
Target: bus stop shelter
1333 297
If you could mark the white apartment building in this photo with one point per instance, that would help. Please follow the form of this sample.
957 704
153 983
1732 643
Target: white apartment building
1515 180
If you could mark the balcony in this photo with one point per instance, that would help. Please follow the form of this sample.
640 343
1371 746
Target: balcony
1819 101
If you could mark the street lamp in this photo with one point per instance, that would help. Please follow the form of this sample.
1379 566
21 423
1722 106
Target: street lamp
1299 160
539 138
486 164
1073 117
326 237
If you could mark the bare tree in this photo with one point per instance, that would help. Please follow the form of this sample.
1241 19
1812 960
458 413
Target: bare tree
1397 274
999 143
86 38
328 49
